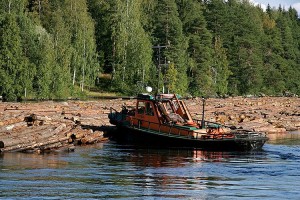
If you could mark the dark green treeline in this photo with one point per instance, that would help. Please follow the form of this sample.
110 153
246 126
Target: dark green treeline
57 48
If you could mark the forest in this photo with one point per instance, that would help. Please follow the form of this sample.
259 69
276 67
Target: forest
56 49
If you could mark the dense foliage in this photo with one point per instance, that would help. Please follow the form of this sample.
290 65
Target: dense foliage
57 48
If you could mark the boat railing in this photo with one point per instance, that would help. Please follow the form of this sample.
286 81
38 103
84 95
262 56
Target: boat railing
247 134
169 126
111 109
170 130
116 115
208 123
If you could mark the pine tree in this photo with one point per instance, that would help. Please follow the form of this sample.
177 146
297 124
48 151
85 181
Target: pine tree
13 62
221 68
168 32
290 51
199 49
246 56
271 48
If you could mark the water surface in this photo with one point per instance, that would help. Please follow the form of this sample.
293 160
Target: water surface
113 171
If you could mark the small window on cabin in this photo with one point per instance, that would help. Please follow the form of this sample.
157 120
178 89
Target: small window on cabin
141 107
176 106
169 107
149 109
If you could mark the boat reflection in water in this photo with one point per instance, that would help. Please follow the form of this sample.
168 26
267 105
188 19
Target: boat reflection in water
182 157
187 169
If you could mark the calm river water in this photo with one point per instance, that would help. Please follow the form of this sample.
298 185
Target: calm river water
122 172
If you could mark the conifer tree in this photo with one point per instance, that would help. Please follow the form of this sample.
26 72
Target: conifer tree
221 68
168 32
246 56
12 61
290 67
271 48
199 49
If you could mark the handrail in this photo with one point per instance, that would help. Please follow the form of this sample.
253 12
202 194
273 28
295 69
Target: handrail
162 125
238 134
112 109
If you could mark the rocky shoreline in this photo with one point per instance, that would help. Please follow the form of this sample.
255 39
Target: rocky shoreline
60 126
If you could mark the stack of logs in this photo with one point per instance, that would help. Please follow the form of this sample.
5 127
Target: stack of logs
266 114
45 126
49 126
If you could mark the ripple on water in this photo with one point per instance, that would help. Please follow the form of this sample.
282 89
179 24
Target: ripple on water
113 171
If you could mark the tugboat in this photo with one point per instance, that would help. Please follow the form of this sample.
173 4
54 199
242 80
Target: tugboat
165 121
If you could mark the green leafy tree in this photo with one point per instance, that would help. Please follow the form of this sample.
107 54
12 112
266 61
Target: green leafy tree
28 43
139 48
60 72
125 45
44 59
170 77
84 64
104 15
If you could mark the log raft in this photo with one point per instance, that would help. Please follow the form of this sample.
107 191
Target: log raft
54 126
25 127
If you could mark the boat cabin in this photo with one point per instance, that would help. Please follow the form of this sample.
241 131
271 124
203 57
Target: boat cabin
156 113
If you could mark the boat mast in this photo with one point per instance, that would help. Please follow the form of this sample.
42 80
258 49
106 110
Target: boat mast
203 106
158 64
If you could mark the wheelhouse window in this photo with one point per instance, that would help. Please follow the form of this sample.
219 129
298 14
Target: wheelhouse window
141 107
149 109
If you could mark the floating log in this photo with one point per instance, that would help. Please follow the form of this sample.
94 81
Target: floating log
92 138
12 126
25 137
34 144
11 121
